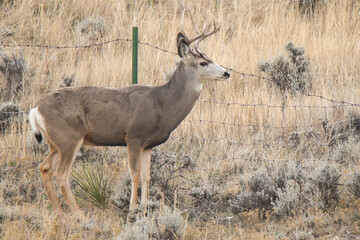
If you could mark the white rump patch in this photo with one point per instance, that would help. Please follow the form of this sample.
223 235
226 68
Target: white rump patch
36 120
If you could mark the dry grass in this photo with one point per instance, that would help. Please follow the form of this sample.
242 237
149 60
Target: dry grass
226 157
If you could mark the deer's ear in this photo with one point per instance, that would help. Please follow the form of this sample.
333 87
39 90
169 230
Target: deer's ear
182 45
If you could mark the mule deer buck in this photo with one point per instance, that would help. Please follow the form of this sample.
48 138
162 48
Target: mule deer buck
139 117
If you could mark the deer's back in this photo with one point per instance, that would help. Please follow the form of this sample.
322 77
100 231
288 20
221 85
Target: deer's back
99 114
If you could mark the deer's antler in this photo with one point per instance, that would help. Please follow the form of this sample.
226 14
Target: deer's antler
200 36
204 35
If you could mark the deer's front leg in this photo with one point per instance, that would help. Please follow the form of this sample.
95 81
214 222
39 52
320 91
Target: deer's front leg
145 174
134 155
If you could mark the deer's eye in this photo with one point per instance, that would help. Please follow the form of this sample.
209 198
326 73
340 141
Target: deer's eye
203 64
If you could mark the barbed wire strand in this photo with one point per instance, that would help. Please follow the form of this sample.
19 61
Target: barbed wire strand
68 47
88 46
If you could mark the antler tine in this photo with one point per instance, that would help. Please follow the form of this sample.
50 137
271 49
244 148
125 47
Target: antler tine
193 22
215 29
182 21
196 44
202 36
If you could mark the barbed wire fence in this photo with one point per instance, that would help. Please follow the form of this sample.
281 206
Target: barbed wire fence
335 104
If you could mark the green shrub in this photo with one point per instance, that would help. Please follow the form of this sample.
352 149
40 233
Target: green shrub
288 200
91 30
9 112
206 200
354 185
308 6
13 68
261 193
166 224
120 196
291 73
287 190
171 224
326 179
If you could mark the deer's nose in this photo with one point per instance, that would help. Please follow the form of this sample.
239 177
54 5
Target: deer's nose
226 74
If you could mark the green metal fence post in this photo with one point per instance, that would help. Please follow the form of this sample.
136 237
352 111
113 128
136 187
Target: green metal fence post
135 56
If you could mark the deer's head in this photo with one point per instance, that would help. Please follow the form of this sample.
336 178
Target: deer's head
192 57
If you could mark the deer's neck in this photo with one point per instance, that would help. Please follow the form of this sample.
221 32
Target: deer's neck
185 81
181 93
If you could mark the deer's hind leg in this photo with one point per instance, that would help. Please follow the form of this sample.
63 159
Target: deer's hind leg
67 157
47 169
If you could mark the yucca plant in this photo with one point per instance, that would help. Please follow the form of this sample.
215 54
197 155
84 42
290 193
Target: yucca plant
93 185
